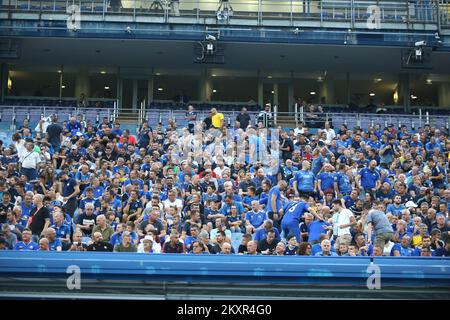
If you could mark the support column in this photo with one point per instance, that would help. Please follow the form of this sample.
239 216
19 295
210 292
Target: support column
119 91
82 84
291 97
4 72
444 94
275 94
205 87
404 92
327 90
150 90
260 93
348 87
135 95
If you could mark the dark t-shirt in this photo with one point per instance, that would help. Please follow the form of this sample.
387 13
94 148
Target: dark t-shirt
54 133
177 249
38 222
263 245
4 208
103 246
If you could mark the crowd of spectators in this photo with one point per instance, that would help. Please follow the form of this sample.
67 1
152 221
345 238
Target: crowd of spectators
81 186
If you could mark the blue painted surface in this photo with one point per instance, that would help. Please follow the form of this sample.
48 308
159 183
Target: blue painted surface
224 268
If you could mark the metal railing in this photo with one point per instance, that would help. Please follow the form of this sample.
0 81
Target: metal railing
257 12
12 115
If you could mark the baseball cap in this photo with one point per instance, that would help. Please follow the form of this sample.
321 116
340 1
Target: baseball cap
410 204
74 147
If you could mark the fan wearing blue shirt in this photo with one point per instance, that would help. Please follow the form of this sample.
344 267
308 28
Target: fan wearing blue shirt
54 243
369 178
26 244
293 214
342 181
396 208
274 207
325 180
254 218
304 180
403 249
261 233
319 225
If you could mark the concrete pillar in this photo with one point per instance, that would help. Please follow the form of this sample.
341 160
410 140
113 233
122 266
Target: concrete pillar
205 87
404 93
291 97
444 94
260 93
135 102
4 72
348 87
275 94
119 91
82 84
150 90
327 90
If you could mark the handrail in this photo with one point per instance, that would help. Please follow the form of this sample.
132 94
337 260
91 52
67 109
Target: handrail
350 11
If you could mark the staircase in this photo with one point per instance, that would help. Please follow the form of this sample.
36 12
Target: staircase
286 121
128 117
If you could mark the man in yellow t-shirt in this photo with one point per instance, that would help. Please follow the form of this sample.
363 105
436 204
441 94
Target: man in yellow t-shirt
217 118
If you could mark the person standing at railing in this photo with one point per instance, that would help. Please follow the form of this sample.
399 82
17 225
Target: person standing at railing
115 5
54 134
243 118
191 117
175 6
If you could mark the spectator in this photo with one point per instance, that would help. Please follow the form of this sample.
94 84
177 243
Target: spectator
268 244
54 243
98 244
243 118
126 245
326 249
174 245
39 218
252 247
10 237
103 228
381 226
26 243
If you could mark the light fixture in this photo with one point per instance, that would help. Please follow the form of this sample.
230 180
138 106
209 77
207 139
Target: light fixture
214 90
269 77
429 81
103 72
63 87
273 92
106 88
319 79
214 75
413 97
160 89
158 74
59 71
372 94
9 83
376 80
312 93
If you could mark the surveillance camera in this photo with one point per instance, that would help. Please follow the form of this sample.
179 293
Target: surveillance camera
128 30
420 43
210 37
296 30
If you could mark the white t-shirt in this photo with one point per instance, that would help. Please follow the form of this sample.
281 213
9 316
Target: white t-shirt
177 203
30 160
344 218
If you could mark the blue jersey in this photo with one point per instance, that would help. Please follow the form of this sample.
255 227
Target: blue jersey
294 211
54 244
343 182
62 231
275 191
305 181
256 219
315 229
369 178
25 214
26 246
326 180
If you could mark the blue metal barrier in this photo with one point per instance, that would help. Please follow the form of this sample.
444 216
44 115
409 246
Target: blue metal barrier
407 271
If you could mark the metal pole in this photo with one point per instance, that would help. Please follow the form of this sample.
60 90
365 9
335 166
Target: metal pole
420 117
302 114
427 117
296 114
